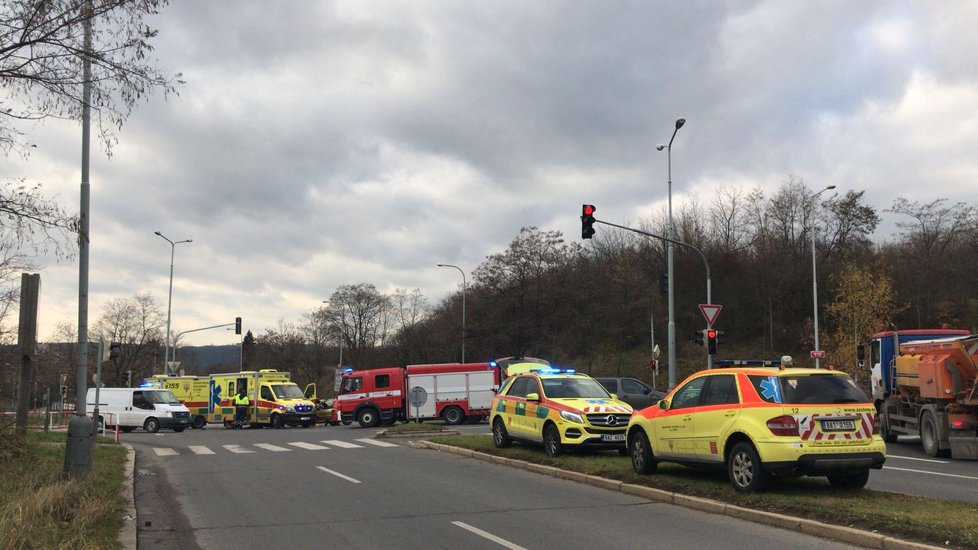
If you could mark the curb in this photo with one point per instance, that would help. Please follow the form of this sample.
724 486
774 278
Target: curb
838 533
127 534
384 435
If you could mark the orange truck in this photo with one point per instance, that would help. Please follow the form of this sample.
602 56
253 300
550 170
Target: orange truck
924 384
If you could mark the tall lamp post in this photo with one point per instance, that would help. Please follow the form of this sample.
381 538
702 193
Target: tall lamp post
814 278
169 301
463 305
672 280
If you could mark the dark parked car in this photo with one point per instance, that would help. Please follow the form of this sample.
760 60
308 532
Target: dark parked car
636 393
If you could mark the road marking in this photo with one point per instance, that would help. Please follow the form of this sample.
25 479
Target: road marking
920 459
377 443
490 536
237 449
161 451
926 472
339 475
310 446
342 444
270 447
201 450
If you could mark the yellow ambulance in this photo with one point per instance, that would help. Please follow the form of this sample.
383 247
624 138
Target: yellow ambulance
274 399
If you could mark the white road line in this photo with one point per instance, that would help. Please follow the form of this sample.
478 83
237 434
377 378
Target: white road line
926 472
377 443
339 475
920 459
342 444
270 447
310 446
201 450
162 451
490 536
237 449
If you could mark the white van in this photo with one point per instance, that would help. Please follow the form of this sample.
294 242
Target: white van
146 408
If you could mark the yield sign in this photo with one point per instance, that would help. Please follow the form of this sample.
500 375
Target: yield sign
710 312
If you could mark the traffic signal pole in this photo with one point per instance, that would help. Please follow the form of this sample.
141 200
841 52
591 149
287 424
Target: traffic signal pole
706 264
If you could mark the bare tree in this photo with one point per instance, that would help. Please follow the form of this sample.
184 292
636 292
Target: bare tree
138 324
41 54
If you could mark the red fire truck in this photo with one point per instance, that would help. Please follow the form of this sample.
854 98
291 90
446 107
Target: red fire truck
455 392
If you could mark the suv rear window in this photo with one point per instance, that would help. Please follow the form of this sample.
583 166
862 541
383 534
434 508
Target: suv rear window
808 389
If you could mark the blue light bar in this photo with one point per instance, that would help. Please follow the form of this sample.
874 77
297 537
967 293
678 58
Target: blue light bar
348 369
493 364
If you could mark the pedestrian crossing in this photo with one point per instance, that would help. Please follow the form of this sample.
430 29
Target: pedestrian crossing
324 445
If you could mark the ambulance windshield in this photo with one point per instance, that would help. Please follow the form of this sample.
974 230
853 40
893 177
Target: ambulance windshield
287 391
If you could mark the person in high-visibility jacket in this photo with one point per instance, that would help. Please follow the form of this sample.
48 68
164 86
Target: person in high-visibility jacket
241 403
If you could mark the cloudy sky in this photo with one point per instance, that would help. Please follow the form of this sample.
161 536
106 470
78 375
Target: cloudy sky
317 144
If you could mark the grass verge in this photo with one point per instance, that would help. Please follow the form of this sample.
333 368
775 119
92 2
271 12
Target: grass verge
949 524
415 427
40 509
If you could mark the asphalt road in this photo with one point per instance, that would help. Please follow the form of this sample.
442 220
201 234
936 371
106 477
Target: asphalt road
338 487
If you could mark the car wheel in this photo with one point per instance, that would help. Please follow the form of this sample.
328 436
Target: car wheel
277 421
500 437
643 461
151 425
368 418
850 481
551 441
928 436
199 422
885 433
453 416
101 424
747 474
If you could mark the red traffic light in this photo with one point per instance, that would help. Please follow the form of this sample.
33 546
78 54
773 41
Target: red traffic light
589 209
711 333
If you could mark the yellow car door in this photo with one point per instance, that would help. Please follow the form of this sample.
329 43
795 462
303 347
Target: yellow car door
674 428
715 416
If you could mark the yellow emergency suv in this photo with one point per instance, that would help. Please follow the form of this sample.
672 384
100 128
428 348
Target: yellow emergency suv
559 408
761 420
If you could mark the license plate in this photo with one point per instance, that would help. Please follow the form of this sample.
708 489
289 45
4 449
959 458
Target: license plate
305 418
838 425
613 437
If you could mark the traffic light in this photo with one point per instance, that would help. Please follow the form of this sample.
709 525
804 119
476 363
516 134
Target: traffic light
237 325
698 337
663 284
711 341
587 221
720 334
115 349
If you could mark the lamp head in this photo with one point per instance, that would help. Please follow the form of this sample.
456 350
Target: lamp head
680 122
660 147
158 233
830 187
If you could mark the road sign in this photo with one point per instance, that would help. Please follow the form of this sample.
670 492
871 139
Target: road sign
817 354
710 312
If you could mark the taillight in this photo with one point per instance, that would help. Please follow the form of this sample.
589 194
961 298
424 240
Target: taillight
876 424
783 425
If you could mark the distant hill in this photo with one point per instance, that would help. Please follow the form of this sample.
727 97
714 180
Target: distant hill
208 359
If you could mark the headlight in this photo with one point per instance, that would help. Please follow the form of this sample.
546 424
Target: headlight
168 414
571 417
288 408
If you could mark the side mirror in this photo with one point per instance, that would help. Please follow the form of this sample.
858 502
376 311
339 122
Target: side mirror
663 404
861 352
533 397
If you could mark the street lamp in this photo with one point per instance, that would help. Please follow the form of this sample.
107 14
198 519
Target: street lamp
672 280
463 305
814 279
169 302
340 332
